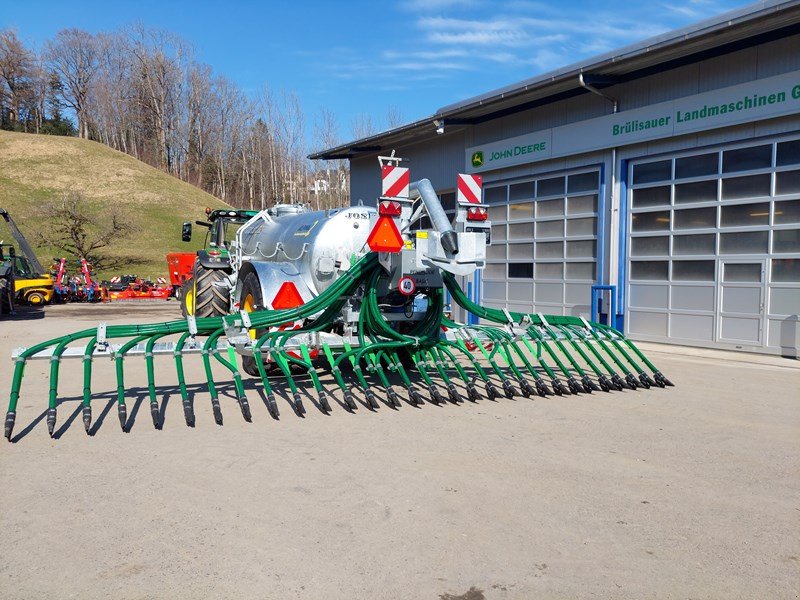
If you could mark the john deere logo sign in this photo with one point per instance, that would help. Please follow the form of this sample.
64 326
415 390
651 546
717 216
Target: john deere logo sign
477 159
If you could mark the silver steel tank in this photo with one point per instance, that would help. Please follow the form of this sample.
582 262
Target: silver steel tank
319 244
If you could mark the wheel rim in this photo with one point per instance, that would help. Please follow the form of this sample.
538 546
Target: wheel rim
36 299
189 301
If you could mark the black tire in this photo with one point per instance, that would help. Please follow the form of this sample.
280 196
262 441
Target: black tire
6 299
251 288
177 291
209 299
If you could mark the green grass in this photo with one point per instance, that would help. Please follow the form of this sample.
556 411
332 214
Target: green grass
37 168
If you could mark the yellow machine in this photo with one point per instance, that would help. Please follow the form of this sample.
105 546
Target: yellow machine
32 285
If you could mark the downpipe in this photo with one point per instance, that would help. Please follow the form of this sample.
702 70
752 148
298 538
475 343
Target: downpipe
423 189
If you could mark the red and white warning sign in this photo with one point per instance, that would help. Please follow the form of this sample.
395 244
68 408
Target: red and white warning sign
469 189
406 286
395 181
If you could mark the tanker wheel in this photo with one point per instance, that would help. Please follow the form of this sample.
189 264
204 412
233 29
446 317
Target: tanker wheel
36 299
187 298
209 300
251 301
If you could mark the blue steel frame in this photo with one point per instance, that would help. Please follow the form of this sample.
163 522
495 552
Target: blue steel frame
613 317
601 227
622 269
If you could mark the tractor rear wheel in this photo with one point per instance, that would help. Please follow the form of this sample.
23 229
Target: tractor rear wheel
209 300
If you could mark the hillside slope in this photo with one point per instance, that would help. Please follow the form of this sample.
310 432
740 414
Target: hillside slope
37 168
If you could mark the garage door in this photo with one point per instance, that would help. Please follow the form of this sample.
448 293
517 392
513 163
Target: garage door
543 256
714 247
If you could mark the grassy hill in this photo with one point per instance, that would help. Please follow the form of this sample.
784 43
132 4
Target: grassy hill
37 168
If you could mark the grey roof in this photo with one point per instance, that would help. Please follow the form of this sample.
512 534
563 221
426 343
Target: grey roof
728 28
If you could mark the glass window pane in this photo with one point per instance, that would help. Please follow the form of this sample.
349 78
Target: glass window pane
550 208
520 231
655 196
786 270
786 240
582 226
498 233
496 251
650 246
584 271
697 191
654 171
748 272
448 201
550 187
750 242
520 211
523 191
651 221
549 270
548 229
549 250
743 215
697 166
495 195
520 270
696 218
693 270
520 251
787 212
582 204
694 244
582 249
582 182
496 270
651 270
745 187
787 182
788 153
745 159
497 213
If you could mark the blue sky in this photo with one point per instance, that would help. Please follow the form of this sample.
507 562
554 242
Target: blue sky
369 58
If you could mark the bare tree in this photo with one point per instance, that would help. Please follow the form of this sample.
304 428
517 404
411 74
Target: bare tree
159 60
16 65
333 172
73 55
394 118
362 126
77 230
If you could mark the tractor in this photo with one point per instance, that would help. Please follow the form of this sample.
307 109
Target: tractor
196 273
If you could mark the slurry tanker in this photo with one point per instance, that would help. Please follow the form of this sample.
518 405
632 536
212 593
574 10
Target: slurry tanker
355 299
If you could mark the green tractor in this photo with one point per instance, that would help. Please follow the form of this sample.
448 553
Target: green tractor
196 275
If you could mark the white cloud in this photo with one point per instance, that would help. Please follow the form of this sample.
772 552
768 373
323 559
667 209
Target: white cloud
514 40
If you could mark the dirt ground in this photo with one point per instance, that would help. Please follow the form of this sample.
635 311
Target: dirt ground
688 492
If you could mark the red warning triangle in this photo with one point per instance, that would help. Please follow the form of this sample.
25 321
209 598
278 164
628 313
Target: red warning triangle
385 237
287 296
